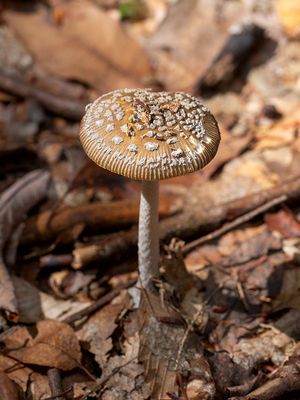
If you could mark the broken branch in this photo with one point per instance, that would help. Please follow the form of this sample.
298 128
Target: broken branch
58 105
49 224
192 222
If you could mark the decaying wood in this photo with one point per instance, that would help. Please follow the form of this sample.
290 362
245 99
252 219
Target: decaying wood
14 204
171 353
49 224
65 107
108 248
191 223
231 57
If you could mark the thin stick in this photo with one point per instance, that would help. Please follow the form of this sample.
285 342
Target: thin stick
233 224
99 303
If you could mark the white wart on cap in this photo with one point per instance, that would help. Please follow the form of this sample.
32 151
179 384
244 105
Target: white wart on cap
149 135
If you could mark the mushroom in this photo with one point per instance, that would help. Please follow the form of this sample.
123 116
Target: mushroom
149 136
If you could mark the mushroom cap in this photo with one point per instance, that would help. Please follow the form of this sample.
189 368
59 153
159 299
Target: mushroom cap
149 135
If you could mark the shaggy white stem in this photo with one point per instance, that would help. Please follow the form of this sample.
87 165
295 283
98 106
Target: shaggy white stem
148 233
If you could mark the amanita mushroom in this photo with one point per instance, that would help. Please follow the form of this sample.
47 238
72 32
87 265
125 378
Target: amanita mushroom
149 136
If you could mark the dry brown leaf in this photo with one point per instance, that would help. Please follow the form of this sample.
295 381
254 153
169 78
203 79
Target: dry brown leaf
252 351
88 46
277 79
98 329
29 301
288 294
184 47
125 373
16 372
289 15
17 338
39 386
58 309
243 245
171 351
283 222
14 204
249 173
284 132
55 345
8 389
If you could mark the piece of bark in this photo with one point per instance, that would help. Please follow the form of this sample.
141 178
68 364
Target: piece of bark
116 214
235 52
14 204
112 247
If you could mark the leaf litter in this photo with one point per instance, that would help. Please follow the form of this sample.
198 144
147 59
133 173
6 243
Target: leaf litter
226 321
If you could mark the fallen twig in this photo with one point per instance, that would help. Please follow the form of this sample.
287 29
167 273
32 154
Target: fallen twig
286 379
98 304
113 246
62 106
55 260
244 388
193 221
190 223
233 224
47 225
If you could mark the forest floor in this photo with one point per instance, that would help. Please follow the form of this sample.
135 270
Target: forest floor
70 326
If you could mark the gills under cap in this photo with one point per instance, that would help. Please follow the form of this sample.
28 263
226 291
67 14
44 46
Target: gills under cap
149 135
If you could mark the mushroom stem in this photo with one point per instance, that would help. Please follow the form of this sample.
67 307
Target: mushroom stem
148 243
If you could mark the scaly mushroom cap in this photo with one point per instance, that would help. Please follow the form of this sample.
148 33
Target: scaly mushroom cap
149 135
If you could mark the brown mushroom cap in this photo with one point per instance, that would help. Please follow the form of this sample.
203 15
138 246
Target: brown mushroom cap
149 135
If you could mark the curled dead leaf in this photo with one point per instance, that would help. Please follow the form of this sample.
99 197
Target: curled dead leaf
55 345
283 222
